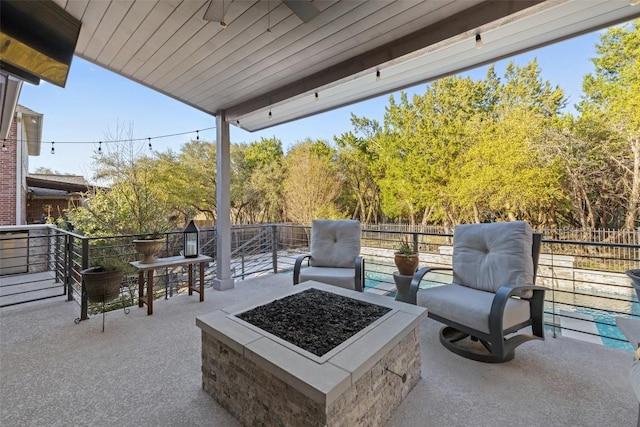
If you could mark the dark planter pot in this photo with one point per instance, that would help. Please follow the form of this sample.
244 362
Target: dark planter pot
102 285
148 249
635 280
406 264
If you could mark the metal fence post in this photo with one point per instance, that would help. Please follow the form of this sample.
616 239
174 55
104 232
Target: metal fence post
56 252
415 242
68 265
274 247
84 305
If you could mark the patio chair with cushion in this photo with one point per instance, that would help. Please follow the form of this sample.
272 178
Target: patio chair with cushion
335 255
492 295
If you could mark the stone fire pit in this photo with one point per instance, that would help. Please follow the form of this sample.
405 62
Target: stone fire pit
264 380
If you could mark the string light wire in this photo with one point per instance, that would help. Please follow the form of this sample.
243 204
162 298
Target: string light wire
115 140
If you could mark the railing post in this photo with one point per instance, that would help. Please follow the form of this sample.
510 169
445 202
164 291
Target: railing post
84 304
56 253
274 247
415 242
68 265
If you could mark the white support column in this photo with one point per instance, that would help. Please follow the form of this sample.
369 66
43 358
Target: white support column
223 278
21 179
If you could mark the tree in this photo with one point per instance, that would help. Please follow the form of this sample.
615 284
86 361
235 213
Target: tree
310 185
133 204
586 150
355 159
502 173
257 181
46 171
613 93
188 178
419 146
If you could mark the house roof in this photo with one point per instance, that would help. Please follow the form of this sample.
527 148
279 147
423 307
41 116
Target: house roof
49 193
266 66
67 183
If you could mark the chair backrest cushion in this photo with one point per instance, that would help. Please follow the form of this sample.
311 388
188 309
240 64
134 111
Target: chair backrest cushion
335 243
488 256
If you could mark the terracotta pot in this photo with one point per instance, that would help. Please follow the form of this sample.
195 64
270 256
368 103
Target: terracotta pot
102 285
407 264
149 249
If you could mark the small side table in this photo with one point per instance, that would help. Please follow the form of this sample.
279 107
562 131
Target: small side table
174 261
403 284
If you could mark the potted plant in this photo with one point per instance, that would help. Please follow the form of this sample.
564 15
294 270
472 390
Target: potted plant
103 280
406 258
149 247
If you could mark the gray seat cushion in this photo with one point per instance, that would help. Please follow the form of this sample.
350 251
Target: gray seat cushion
335 243
470 307
489 256
343 277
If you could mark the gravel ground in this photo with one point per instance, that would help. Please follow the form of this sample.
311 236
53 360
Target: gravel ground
314 320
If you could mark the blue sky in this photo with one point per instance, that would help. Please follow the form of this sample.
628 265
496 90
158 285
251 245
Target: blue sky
96 100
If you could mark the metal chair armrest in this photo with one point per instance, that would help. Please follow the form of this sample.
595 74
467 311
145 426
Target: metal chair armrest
502 296
297 266
359 279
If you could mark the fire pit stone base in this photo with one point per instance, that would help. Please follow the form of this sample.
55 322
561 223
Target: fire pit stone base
262 382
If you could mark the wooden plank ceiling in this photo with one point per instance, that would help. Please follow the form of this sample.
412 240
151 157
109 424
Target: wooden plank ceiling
267 65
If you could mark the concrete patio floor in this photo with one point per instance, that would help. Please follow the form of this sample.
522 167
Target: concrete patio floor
145 371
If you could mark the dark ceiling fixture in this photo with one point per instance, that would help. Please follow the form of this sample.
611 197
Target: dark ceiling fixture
304 9
37 40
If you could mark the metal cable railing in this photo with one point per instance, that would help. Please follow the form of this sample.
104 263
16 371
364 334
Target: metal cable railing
587 286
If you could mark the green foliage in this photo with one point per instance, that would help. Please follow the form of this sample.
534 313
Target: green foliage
256 181
612 96
405 248
467 150
133 202
311 184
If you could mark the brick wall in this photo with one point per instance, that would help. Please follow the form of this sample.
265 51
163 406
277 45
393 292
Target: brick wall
8 173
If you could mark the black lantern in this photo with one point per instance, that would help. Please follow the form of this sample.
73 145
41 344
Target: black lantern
191 240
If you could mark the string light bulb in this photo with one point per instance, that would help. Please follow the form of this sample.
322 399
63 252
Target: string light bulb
100 147
53 150
222 23
150 148
378 75
270 115
478 41
197 135
268 17
4 144
317 97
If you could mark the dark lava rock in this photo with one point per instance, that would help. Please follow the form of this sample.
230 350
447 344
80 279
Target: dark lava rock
314 320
